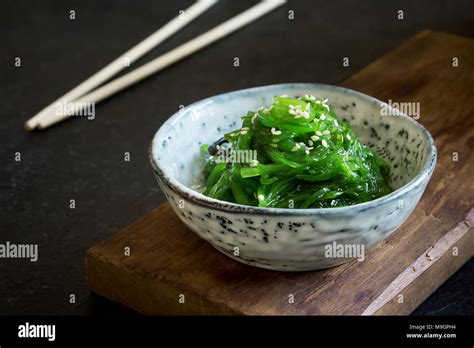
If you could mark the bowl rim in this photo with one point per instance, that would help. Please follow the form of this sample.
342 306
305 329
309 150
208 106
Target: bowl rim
202 200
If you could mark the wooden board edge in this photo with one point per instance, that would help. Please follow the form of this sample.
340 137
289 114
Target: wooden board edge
157 298
112 281
433 267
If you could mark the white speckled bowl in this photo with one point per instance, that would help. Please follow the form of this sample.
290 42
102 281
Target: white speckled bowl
291 239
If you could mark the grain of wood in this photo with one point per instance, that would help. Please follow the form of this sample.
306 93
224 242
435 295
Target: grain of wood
445 246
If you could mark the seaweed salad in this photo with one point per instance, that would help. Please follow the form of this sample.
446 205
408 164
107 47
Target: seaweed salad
294 154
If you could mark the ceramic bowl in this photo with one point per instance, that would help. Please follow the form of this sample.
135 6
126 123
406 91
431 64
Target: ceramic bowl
292 239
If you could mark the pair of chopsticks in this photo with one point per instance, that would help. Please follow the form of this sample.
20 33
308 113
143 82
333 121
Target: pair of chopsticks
84 94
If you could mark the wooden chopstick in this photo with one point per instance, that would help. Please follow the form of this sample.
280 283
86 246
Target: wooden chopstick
165 60
125 59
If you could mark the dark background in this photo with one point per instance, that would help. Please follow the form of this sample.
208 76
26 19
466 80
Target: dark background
83 160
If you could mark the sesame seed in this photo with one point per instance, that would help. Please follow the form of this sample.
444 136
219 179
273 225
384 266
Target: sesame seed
314 138
323 117
336 124
245 128
310 143
233 134
325 143
275 131
306 152
319 134
295 148
348 137
261 197
297 111
254 117
325 101
316 120
243 132
326 132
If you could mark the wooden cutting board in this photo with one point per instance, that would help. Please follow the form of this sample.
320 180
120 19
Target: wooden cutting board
168 264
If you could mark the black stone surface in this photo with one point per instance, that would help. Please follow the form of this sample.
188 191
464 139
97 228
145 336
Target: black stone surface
83 160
